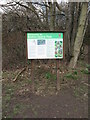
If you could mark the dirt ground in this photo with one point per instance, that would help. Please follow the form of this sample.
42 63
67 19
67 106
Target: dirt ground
62 105
71 101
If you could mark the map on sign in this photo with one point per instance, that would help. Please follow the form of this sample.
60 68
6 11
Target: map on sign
44 45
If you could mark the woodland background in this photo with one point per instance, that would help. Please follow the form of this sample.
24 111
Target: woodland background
22 16
18 98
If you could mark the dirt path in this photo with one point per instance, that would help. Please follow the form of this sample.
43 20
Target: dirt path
62 105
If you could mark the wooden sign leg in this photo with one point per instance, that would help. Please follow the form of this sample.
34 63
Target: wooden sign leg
32 74
58 74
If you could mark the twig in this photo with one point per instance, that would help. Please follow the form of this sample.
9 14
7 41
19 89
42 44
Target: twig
18 74
85 83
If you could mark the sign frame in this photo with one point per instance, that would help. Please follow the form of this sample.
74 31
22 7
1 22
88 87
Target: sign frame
56 59
62 31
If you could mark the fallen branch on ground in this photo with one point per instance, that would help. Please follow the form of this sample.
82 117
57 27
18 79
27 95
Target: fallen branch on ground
18 74
85 83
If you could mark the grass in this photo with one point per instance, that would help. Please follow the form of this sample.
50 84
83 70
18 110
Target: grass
49 76
80 90
75 75
84 67
19 108
16 109
71 75
6 100
9 90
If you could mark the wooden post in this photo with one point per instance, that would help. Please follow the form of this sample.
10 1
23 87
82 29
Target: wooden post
32 74
58 74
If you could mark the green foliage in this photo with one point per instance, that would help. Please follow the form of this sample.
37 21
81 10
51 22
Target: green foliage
88 66
28 62
8 98
72 75
85 71
29 81
16 109
48 75
75 72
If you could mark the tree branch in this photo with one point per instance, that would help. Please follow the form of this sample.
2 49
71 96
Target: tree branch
31 9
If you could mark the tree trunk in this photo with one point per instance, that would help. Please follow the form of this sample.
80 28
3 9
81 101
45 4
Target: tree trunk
79 35
75 26
46 15
0 44
52 11
0 65
52 16
69 28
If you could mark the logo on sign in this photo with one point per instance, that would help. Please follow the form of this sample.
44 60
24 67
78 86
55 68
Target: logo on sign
59 35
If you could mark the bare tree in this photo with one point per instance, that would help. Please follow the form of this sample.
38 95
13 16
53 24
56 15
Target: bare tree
43 16
80 34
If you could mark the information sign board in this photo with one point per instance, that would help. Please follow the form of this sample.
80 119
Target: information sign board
44 45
